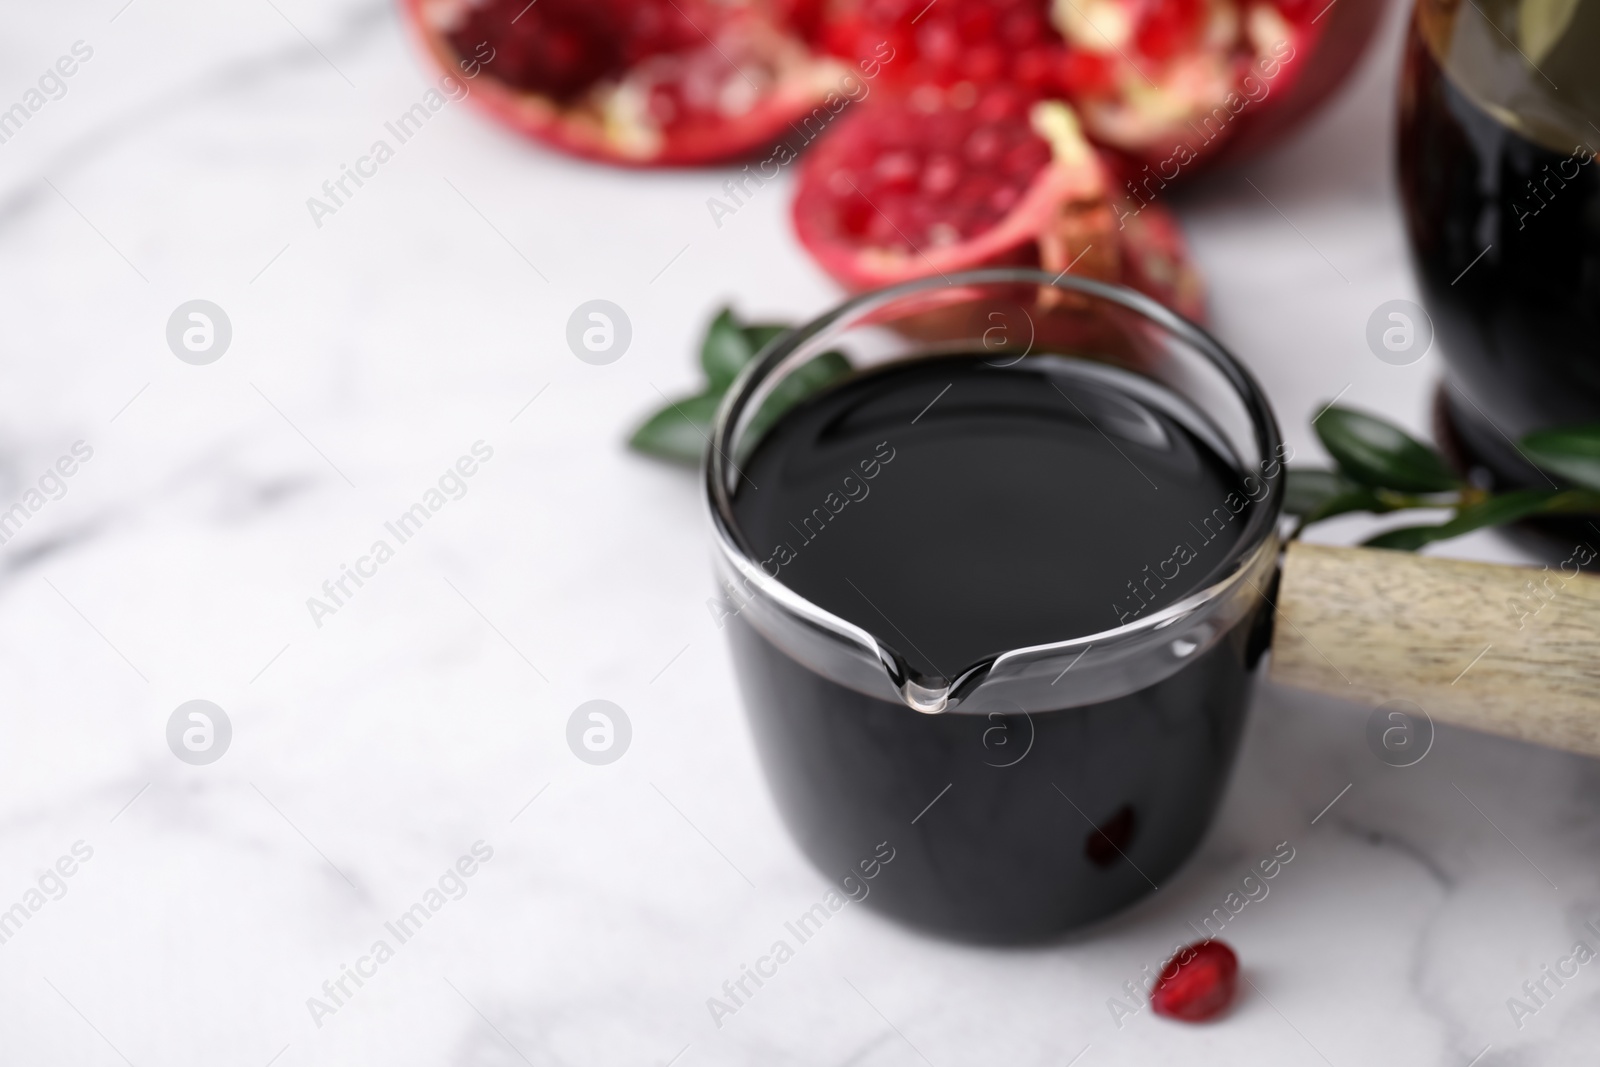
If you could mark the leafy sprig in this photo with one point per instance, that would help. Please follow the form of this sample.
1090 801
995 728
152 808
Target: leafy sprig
1380 469
681 431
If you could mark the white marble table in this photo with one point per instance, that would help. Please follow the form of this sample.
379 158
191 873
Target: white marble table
371 752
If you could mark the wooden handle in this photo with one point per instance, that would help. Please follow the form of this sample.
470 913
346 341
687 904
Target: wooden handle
1509 650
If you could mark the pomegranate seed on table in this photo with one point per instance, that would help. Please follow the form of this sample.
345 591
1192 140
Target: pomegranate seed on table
1198 983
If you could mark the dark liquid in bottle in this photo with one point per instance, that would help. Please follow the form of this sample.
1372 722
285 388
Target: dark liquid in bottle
956 510
1502 201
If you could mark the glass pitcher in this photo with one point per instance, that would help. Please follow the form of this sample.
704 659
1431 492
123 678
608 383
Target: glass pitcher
1046 787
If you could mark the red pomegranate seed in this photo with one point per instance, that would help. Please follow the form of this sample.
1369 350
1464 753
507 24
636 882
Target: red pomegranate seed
560 51
983 64
940 43
1036 68
941 176
1198 983
984 146
977 23
1087 74
1024 28
896 171
1171 27
953 42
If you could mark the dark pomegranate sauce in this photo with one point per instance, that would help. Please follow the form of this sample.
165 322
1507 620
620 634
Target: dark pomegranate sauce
957 510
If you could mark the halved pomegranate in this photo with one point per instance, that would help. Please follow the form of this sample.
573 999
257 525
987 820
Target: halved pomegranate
640 82
1158 80
943 181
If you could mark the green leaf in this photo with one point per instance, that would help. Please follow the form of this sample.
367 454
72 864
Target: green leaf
1361 498
762 334
679 432
1308 489
725 351
1314 495
1407 538
1495 511
1575 502
1380 454
1573 453
812 378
